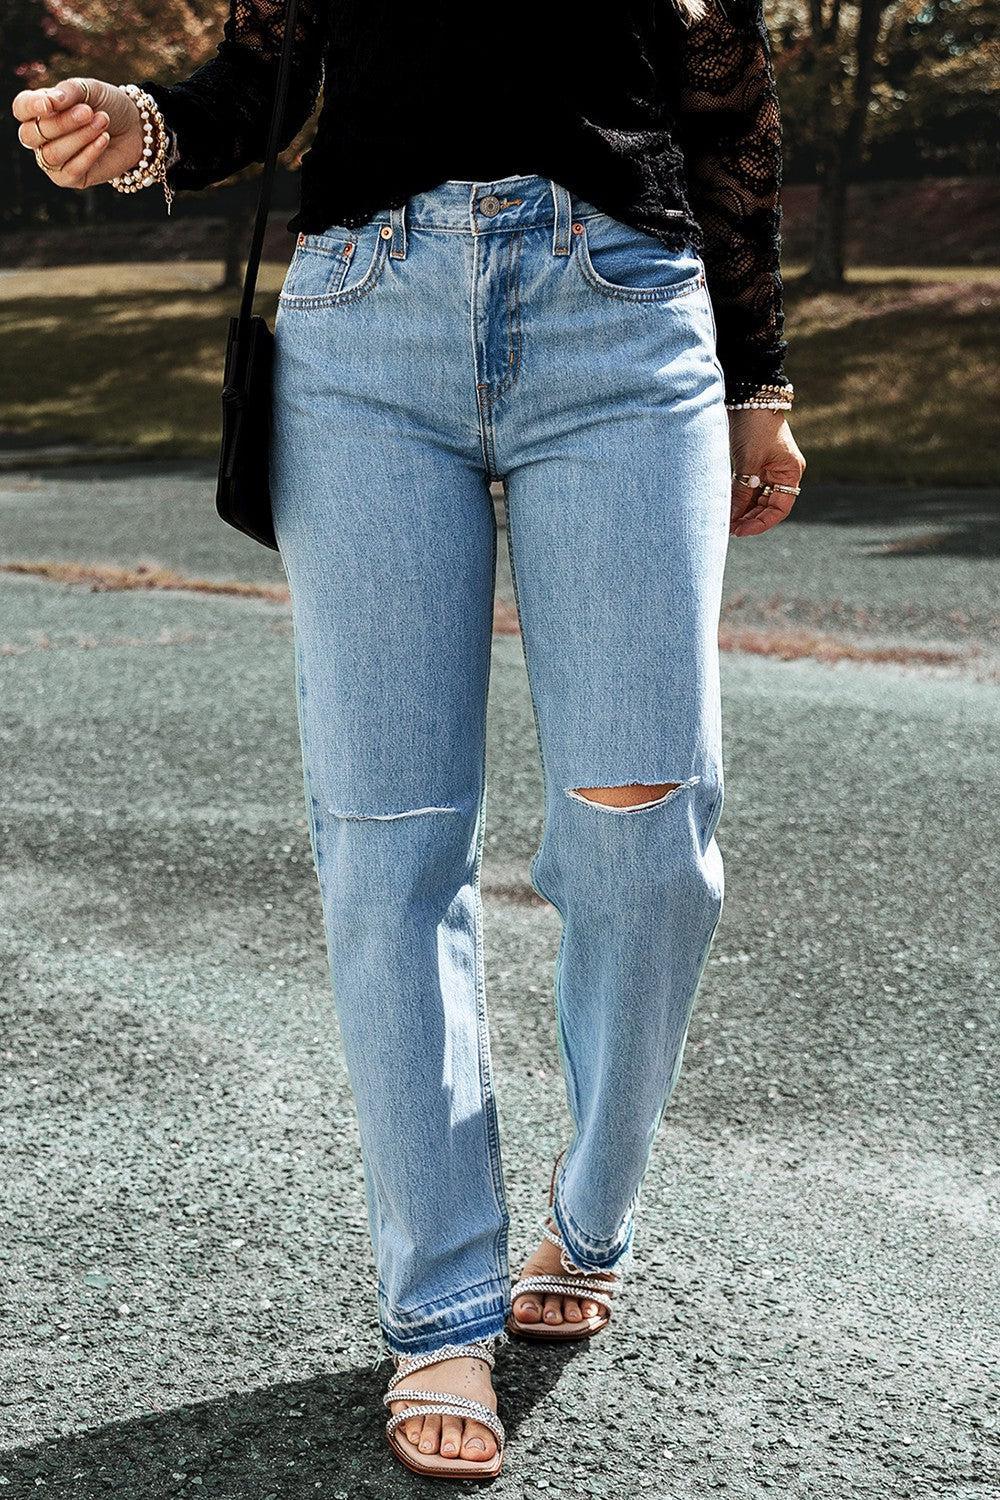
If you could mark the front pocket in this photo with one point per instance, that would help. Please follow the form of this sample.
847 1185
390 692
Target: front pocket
620 261
336 266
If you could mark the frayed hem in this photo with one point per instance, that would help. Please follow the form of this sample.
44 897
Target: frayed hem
615 1255
492 1341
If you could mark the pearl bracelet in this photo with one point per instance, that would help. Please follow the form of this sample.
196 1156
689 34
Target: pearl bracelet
151 166
762 397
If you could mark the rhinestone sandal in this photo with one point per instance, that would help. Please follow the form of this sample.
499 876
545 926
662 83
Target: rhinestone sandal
589 1286
435 1465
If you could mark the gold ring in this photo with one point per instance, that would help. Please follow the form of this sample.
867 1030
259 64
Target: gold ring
41 159
86 89
752 481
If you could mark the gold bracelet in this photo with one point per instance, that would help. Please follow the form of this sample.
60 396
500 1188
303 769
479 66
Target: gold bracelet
151 166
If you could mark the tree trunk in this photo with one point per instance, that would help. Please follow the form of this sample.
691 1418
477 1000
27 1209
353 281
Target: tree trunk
843 155
826 272
238 221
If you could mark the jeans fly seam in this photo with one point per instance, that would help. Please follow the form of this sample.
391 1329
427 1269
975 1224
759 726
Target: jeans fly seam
487 431
513 307
482 388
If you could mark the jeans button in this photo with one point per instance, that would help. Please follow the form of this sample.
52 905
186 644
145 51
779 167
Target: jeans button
489 205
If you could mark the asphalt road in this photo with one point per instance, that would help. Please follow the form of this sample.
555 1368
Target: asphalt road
188 1305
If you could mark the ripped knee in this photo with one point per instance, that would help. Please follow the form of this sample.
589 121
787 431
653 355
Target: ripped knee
631 796
386 817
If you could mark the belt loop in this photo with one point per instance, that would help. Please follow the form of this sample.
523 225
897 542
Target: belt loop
397 218
564 217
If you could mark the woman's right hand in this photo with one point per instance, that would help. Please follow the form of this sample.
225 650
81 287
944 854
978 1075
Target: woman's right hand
83 144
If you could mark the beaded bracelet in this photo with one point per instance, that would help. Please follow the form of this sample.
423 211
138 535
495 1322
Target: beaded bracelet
151 166
761 397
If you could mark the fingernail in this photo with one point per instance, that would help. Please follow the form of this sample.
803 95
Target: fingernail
59 94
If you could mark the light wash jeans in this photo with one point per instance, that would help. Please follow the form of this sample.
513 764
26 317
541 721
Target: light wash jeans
502 330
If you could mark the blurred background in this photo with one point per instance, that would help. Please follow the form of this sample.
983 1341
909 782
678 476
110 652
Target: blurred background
891 243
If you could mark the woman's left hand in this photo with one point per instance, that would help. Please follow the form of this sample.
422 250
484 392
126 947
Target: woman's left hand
762 446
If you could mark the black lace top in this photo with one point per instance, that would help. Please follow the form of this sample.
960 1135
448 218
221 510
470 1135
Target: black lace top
670 125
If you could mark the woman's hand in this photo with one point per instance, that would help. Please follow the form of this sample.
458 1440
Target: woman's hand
761 444
82 144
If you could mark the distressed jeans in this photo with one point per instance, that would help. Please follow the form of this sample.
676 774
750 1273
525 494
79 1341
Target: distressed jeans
502 330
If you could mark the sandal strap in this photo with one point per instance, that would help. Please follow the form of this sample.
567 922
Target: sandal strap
552 1234
441 1403
568 1264
571 1286
407 1364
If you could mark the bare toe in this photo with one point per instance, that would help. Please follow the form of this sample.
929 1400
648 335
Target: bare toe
527 1310
431 1434
479 1444
451 1436
413 1428
553 1309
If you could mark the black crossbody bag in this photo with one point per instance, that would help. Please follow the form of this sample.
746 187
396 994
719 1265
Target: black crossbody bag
243 489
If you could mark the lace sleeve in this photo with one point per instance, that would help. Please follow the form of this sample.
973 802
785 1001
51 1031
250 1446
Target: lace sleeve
220 116
728 125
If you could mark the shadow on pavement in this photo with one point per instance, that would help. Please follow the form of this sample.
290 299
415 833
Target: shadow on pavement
323 1435
952 522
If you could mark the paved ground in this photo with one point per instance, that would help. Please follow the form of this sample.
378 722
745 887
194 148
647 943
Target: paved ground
814 1307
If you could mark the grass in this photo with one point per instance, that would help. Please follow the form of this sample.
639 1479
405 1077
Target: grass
892 376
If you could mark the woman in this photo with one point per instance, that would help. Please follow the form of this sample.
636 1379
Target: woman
549 255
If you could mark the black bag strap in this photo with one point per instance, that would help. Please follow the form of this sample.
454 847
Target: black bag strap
267 176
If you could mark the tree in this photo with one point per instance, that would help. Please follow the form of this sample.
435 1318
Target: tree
902 87
844 77
119 39
25 45
939 86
